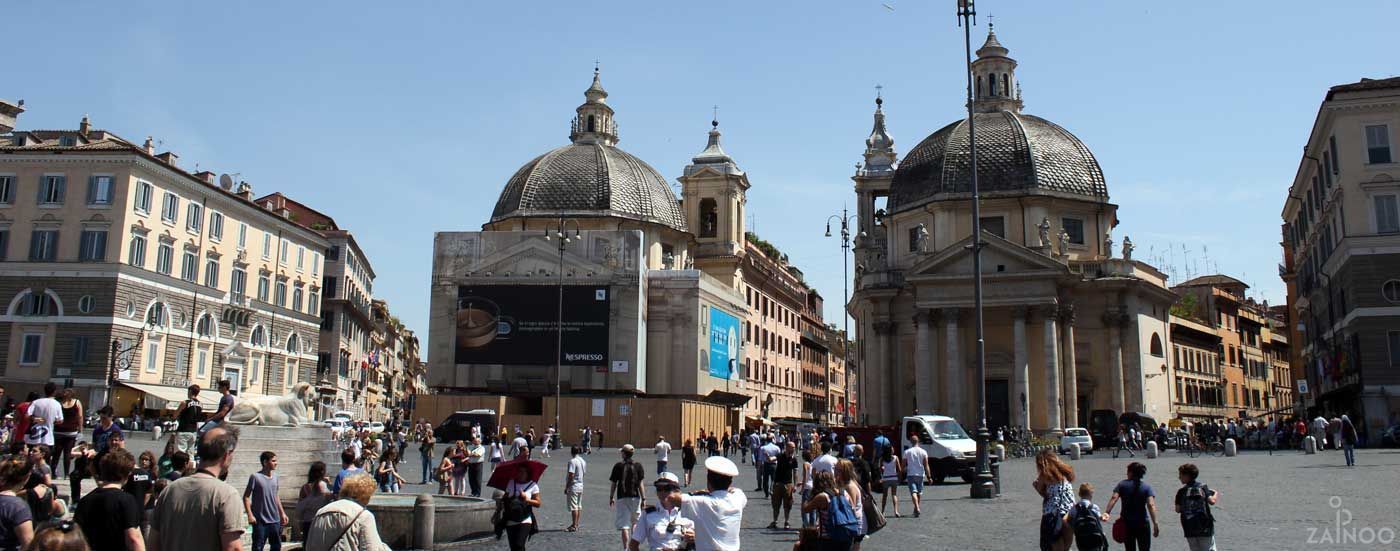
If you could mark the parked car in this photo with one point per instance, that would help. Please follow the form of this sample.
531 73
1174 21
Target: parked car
337 426
1077 435
1390 438
458 425
375 427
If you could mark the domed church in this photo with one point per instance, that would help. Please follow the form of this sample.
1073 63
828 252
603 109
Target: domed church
1070 327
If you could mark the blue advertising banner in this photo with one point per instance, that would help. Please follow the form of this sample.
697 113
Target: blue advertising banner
724 344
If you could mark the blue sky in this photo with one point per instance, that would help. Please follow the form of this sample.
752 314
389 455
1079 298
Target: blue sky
403 119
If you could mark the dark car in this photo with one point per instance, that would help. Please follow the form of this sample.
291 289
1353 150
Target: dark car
1103 427
1391 437
458 426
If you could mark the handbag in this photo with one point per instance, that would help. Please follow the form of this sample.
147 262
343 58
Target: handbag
1120 530
874 519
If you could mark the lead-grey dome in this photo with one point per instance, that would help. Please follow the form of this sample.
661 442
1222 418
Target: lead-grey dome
1017 154
590 179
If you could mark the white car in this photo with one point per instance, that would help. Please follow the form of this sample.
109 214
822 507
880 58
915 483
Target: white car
1077 435
375 427
337 426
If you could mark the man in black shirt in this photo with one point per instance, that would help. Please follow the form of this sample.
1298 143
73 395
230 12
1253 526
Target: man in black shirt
625 492
187 420
783 476
142 481
111 518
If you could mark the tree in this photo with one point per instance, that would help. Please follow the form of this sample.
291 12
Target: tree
1185 307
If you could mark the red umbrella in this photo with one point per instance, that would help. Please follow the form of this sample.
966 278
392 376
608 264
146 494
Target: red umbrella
505 473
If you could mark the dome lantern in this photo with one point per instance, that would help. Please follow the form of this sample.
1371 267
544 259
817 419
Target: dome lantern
594 120
879 147
994 75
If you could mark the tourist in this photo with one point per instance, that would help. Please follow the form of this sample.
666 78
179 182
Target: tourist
141 483
102 433
806 479
727 443
187 420
225 406
784 474
179 466
498 454
44 413
425 452
347 524
891 471
349 466
200 511
476 458
1348 439
661 527
1139 503
388 473
586 437
443 473
881 442
1087 522
687 460
264 510
573 486
459 468
719 513
625 492
916 472
767 461
64 535
827 495
21 422
16 521
824 462
164 464
517 506
109 516
39 491
67 431
1054 482
39 470
548 440
82 461
314 495
663 454
1193 502
519 447
848 479
1123 442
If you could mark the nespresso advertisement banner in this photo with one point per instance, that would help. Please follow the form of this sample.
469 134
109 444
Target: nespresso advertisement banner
516 324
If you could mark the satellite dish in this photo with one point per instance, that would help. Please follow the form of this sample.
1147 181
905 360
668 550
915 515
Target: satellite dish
226 182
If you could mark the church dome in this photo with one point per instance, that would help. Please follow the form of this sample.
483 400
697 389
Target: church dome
1017 154
590 177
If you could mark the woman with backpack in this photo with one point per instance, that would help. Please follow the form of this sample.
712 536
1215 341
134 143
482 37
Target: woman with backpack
836 526
1054 482
891 472
848 480
517 510
1139 504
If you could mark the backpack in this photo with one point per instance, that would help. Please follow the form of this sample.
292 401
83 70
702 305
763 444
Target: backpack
1088 530
841 522
1196 518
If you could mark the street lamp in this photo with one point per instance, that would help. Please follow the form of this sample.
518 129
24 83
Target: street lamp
845 219
122 358
560 235
984 487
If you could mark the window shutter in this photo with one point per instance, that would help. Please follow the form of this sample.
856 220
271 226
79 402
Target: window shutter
62 183
39 195
92 190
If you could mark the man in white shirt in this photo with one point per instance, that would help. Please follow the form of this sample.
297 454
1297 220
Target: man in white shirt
824 462
916 472
519 446
768 456
663 454
548 440
51 412
573 485
717 513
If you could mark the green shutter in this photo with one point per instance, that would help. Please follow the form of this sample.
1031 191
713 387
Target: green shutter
92 190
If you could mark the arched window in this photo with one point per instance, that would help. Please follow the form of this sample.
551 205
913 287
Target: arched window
1156 346
592 124
1005 85
205 326
979 86
293 344
258 337
157 315
709 218
36 304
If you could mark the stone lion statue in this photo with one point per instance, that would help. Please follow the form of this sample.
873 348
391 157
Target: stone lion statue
275 411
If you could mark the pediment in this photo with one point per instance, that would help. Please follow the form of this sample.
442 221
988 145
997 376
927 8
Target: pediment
536 257
998 252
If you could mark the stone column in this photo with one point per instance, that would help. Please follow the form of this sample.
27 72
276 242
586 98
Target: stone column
1113 321
1053 403
923 365
954 385
1020 371
883 394
1070 370
1134 397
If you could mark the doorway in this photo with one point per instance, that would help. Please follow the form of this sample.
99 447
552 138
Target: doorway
998 404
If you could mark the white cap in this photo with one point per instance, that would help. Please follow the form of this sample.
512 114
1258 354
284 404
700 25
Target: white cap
667 478
721 466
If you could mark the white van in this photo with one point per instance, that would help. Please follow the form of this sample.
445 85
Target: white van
951 452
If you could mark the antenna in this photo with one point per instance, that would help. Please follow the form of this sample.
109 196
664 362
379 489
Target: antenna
226 182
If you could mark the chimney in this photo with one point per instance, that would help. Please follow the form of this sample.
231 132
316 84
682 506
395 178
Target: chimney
169 157
206 176
84 126
150 145
9 113
245 190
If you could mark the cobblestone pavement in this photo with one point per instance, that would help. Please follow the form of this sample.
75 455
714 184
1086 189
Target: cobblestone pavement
1285 501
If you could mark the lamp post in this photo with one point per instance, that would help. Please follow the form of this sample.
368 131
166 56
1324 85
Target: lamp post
845 219
121 358
560 235
984 487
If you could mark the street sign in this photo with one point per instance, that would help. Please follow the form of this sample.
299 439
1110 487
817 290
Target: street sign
1302 386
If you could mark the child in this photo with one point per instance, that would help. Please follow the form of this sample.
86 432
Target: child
1087 520
1193 502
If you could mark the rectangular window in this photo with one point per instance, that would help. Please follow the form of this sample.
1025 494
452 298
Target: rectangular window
202 362
280 298
1387 214
296 299
267 245
142 203
313 302
7 190
211 273
994 225
1327 169
1378 144
80 350
92 245
4 243
301 256
238 283
194 217
170 207
264 287
51 189
284 252
152 357
165 258
189 267
100 190
31 349
216 225
182 360
1336 161
242 235
1075 228
315 263
43 245
136 252
914 239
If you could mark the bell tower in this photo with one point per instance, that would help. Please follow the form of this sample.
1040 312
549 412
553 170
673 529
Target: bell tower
714 191
872 178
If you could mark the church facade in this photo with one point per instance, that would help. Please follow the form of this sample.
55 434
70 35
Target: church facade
1070 327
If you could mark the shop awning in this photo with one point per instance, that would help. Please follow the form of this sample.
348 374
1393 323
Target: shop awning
169 397
729 399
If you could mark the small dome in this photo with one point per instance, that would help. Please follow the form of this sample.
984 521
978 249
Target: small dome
1017 154
591 179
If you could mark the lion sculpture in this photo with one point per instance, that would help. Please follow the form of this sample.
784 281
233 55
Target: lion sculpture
275 411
